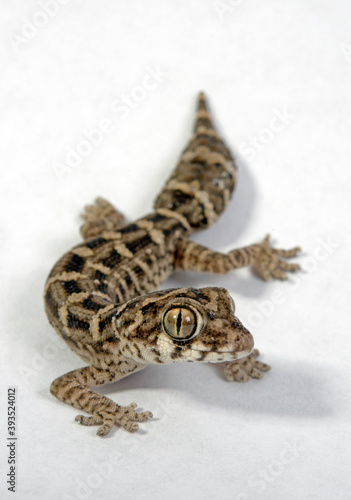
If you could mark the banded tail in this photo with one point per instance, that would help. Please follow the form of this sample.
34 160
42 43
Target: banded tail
203 180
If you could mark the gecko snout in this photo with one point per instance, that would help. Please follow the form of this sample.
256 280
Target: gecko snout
244 340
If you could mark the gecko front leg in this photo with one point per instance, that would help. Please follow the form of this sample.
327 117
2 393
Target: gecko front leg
74 388
245 369
266 260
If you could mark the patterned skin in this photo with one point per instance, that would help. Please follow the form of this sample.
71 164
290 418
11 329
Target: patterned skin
101 299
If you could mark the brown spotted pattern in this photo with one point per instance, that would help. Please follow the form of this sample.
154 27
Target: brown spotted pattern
202 183
100 296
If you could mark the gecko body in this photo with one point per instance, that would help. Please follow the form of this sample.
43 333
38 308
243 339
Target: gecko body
102 298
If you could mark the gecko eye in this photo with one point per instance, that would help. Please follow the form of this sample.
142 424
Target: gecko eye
180 323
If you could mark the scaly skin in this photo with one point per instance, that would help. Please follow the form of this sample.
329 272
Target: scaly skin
100 296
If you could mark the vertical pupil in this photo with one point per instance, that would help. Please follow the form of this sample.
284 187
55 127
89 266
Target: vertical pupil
179 321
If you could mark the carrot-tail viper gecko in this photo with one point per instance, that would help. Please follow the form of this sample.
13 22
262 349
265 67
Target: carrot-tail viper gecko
100 296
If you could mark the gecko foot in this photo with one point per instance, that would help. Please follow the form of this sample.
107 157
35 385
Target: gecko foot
99 217
107 417
269 263
245 369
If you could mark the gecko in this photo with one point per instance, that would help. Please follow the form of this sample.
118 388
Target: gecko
102 296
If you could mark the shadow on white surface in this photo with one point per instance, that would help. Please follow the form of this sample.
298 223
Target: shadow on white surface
235 220
292 389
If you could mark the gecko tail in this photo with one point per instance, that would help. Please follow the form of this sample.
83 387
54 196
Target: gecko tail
203 116
203 180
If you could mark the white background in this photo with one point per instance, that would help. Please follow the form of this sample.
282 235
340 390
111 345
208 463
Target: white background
64 74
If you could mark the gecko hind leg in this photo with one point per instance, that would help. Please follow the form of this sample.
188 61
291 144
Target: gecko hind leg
73 388
99 217
245 369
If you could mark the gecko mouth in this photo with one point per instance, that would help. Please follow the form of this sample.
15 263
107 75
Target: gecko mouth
235 347
214 356
235 350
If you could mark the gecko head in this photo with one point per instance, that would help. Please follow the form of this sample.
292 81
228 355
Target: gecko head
185 325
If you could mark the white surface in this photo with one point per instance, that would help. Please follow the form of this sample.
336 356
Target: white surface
210 439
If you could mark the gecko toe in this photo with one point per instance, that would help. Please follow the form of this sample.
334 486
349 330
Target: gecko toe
126 417
129 426
287 253
245 369
81 419
104 430
279 274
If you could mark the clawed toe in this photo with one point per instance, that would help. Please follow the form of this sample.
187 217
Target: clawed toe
126 417
88 420
245 369
287 253
269 263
